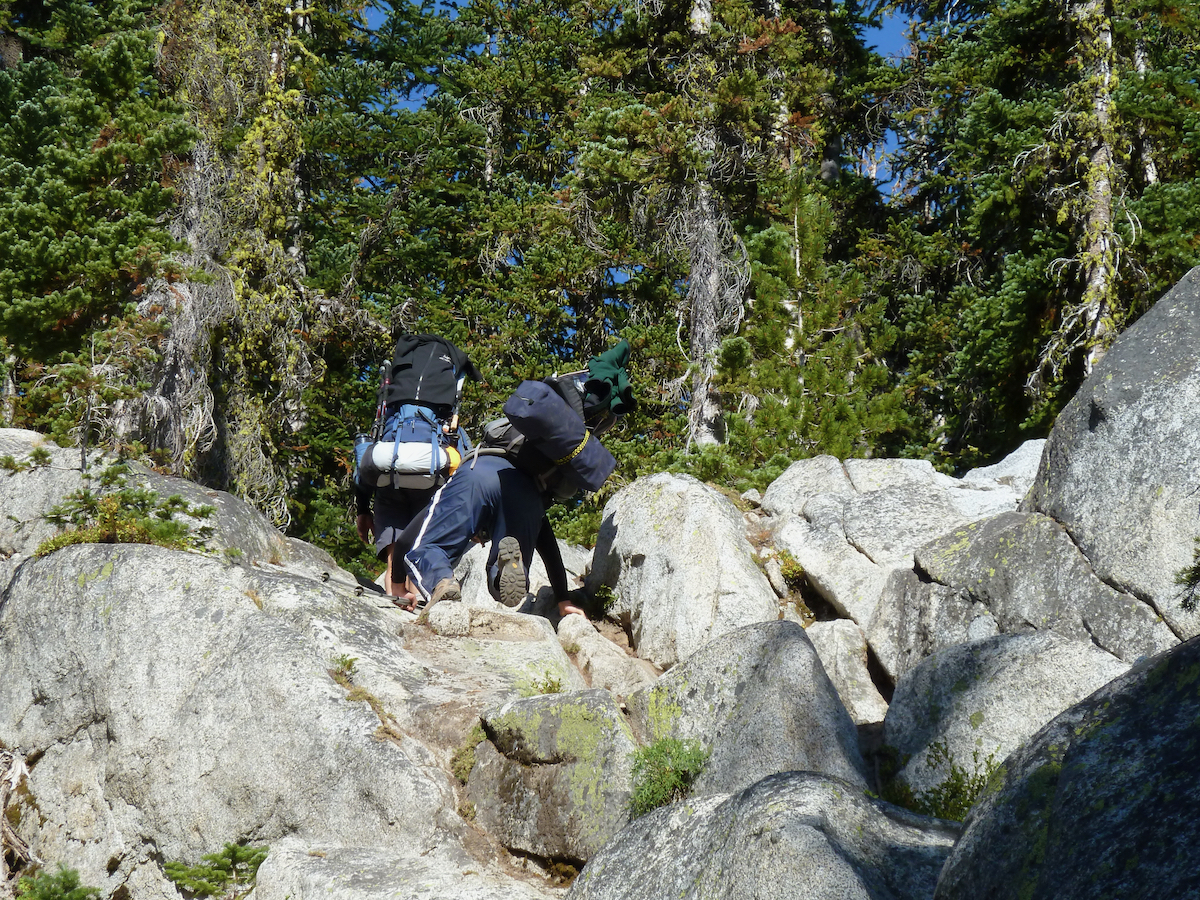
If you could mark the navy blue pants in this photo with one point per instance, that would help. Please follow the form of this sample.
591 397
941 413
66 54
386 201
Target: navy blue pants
487 499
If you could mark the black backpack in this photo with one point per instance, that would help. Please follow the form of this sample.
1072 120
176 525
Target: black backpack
416 441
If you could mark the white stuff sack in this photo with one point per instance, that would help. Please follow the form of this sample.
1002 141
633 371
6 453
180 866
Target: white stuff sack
416 464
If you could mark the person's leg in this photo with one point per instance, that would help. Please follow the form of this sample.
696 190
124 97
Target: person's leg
395 509
462 509
518 520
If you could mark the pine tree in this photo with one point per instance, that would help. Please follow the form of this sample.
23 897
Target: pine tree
1037 225
88 145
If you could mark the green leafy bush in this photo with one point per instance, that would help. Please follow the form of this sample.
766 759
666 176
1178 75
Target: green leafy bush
61 885
119 513
664 772
229 873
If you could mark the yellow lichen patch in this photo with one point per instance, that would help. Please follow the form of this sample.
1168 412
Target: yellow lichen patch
662 712
105 572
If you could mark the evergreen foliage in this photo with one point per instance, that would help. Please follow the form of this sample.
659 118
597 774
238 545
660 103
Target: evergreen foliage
1040 142
121 513
216 217
1188 579
62 884
952 797
229 873
88 144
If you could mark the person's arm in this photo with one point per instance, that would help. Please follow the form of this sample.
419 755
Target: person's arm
547 548
364 522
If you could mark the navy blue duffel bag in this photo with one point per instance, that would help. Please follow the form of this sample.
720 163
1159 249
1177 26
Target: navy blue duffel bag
547 422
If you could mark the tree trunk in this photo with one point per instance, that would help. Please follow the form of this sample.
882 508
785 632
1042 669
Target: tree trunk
1149 169
718 267
1093 22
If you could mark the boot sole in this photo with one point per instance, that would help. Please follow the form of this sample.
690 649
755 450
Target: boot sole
512 573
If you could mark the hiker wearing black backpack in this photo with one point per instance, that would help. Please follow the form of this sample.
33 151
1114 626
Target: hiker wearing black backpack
546 449
415 444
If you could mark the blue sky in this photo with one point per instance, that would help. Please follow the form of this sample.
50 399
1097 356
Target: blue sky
889 40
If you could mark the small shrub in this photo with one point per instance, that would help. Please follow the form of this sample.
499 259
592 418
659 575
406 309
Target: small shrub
122 514
549 683
1188 578
343 670
562 873
61 885
954 796
463 760
606 597
229 873
664 773
11 465
792 571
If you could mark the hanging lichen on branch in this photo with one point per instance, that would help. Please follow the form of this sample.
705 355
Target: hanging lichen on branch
244 335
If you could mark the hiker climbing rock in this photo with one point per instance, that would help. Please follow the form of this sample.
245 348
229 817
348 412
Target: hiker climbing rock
416 442
545 450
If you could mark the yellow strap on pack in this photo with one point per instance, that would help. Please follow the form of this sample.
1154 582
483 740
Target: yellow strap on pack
455 459
574 453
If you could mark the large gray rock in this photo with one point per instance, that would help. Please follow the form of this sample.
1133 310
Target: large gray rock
1017 470
554 778
797 834
1026 570
842 647
917 617
760 700
985 699
168 703
1100 803
852 524
804 479
474 658
239 532
603 663
1119 468
969 498
165 712
839 572
25 497
675 553
297 870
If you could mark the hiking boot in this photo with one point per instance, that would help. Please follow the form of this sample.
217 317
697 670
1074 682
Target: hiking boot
446 589
511 578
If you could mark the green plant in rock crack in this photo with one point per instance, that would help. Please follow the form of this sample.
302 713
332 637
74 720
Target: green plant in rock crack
463 760
1188 578
62 884
664 772
343 669
952 797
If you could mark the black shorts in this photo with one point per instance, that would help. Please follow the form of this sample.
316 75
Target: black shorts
394 509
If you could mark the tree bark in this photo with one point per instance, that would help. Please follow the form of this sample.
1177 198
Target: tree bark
1093 22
